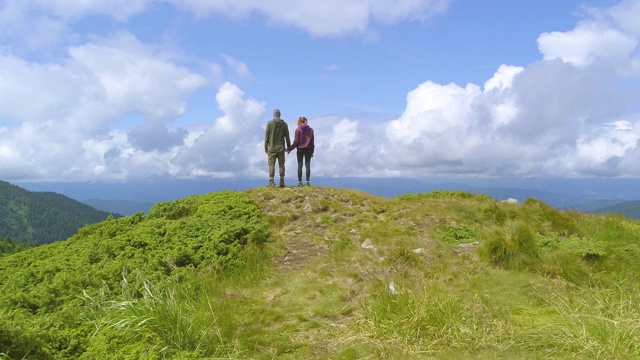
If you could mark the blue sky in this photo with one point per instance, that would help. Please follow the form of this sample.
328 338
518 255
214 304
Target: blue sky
141 89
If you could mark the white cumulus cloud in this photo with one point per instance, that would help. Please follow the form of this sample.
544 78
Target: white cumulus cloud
229 145
321 18
55 112
574 112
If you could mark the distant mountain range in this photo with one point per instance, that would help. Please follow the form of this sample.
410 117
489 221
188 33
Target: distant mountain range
42 217
123 207
630 209
586 195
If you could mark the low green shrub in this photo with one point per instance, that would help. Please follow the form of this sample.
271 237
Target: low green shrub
200 235
588 250
443 194
461 234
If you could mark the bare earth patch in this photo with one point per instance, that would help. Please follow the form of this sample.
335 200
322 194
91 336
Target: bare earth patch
299 252
295 234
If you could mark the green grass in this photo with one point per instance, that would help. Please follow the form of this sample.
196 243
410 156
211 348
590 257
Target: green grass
512 246
595 323
450 275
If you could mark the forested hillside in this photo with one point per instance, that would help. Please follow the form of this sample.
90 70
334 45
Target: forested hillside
8 246
327 273
42 217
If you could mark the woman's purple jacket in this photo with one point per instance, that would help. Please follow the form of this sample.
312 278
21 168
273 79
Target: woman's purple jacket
303 139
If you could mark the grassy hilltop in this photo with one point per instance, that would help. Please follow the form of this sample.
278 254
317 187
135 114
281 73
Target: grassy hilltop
328 273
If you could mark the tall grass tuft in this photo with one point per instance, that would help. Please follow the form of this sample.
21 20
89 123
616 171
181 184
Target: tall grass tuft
593 323
551 220
566 265
512 246
167 313
426 319
172 319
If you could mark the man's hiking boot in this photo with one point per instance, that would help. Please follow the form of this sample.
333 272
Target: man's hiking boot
299 183
281 183
271 183
308 184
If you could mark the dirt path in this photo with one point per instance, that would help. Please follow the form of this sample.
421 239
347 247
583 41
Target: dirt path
295 234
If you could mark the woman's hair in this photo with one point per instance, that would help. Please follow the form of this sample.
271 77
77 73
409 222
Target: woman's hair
302 120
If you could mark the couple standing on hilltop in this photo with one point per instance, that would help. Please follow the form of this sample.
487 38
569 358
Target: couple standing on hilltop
275 136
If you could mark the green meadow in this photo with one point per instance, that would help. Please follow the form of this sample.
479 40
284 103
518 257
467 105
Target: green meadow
329 273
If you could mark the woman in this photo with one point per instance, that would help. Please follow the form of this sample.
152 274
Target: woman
304 141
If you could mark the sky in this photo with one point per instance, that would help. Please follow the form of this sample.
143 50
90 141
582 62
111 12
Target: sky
119 90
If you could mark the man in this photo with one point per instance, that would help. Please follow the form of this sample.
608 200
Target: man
274 145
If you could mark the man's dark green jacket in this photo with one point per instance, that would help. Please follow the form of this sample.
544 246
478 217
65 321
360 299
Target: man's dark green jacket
276 135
